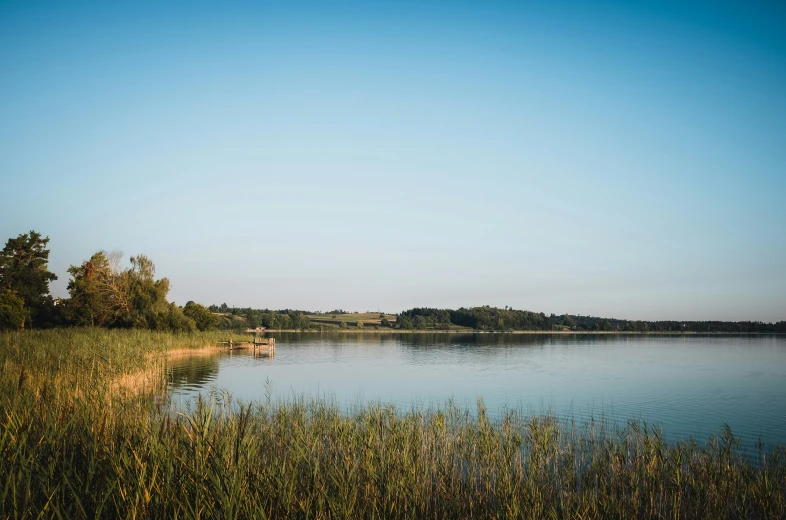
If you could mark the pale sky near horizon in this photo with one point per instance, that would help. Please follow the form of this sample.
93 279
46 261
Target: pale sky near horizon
617 159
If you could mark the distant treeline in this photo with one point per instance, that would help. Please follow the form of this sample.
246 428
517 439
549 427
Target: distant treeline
244 317
484 319
104 293
496 319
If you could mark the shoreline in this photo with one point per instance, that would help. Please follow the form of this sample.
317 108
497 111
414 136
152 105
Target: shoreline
523 332
207 350
146 380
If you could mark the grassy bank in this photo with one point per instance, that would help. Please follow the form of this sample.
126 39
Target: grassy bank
73 447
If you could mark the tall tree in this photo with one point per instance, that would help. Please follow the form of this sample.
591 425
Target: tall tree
24 269
89 304
102 293
99 291
147 296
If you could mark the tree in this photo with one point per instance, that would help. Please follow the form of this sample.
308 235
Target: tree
91 300
100 292
285 322
203 318
104 294
146 295
12 311
405 322
171 318
23 269
420 323
301 322
359 324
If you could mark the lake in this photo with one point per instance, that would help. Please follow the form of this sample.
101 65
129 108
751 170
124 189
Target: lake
690 385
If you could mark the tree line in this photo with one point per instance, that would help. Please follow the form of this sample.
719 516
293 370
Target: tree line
103 293
488 318
244 317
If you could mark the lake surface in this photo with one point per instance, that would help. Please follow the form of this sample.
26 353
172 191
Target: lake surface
689 385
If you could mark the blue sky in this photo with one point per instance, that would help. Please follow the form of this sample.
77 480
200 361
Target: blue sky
608 158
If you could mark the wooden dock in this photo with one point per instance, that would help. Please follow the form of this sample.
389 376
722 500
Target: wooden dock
262 346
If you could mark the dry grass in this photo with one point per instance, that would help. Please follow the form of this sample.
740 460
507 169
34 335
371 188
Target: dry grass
71 449
209 350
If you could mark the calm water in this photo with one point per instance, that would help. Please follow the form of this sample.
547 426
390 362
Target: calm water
690 385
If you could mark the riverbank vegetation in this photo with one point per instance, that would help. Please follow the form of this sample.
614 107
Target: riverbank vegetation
71 446
485 319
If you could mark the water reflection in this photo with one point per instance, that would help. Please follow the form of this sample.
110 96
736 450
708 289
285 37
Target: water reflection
192 372
691 385
191 375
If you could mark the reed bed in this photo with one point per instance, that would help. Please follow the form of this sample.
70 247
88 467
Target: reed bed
70 447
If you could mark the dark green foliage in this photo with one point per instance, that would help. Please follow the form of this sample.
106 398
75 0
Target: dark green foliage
172 319
146 295
420 322
424 318
97 292
13 313
239 318
496 319
102 294
203 318
405 322
23 269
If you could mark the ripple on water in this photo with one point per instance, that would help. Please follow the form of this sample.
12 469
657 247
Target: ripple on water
691 386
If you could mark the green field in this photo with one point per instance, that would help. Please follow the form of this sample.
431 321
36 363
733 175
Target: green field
74 443
369 319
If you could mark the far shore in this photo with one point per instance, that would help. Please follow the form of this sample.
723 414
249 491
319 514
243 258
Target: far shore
370 330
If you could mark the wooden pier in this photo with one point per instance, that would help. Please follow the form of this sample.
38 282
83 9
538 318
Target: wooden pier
262 346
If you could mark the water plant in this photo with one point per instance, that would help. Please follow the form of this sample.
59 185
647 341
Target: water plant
72 446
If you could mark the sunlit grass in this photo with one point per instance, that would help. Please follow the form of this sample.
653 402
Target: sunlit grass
70 447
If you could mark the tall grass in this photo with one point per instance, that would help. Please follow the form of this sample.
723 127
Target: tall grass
70 447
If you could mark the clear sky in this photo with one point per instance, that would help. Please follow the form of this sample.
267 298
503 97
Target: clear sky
619 159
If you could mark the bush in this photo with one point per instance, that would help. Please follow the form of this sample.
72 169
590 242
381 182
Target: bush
12 311
174 320
203 318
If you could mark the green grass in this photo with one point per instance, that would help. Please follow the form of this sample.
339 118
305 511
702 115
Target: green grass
368 318
72 448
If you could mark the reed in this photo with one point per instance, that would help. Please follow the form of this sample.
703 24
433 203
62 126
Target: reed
71 447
